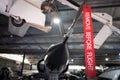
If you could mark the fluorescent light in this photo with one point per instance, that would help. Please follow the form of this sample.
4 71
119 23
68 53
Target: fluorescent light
56 20
76 67
15 57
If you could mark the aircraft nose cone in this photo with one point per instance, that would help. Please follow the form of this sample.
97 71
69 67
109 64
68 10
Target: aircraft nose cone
57 56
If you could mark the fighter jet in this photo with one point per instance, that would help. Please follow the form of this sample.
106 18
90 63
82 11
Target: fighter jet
56 60
57 57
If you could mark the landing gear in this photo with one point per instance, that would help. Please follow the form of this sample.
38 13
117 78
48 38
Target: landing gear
17 21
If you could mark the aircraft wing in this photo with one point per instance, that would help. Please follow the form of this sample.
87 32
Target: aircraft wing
31 14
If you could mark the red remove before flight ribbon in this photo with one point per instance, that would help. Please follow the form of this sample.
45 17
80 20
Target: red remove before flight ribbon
88 43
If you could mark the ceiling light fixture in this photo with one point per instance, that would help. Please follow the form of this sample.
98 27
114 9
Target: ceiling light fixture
56 20
119 54
106 59
72 60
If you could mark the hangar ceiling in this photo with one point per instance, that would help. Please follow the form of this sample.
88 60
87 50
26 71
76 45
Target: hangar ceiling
35 43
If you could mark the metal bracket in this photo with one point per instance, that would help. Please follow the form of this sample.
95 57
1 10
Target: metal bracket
106 30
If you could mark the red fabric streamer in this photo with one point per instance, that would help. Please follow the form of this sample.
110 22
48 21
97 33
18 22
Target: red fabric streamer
88 43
